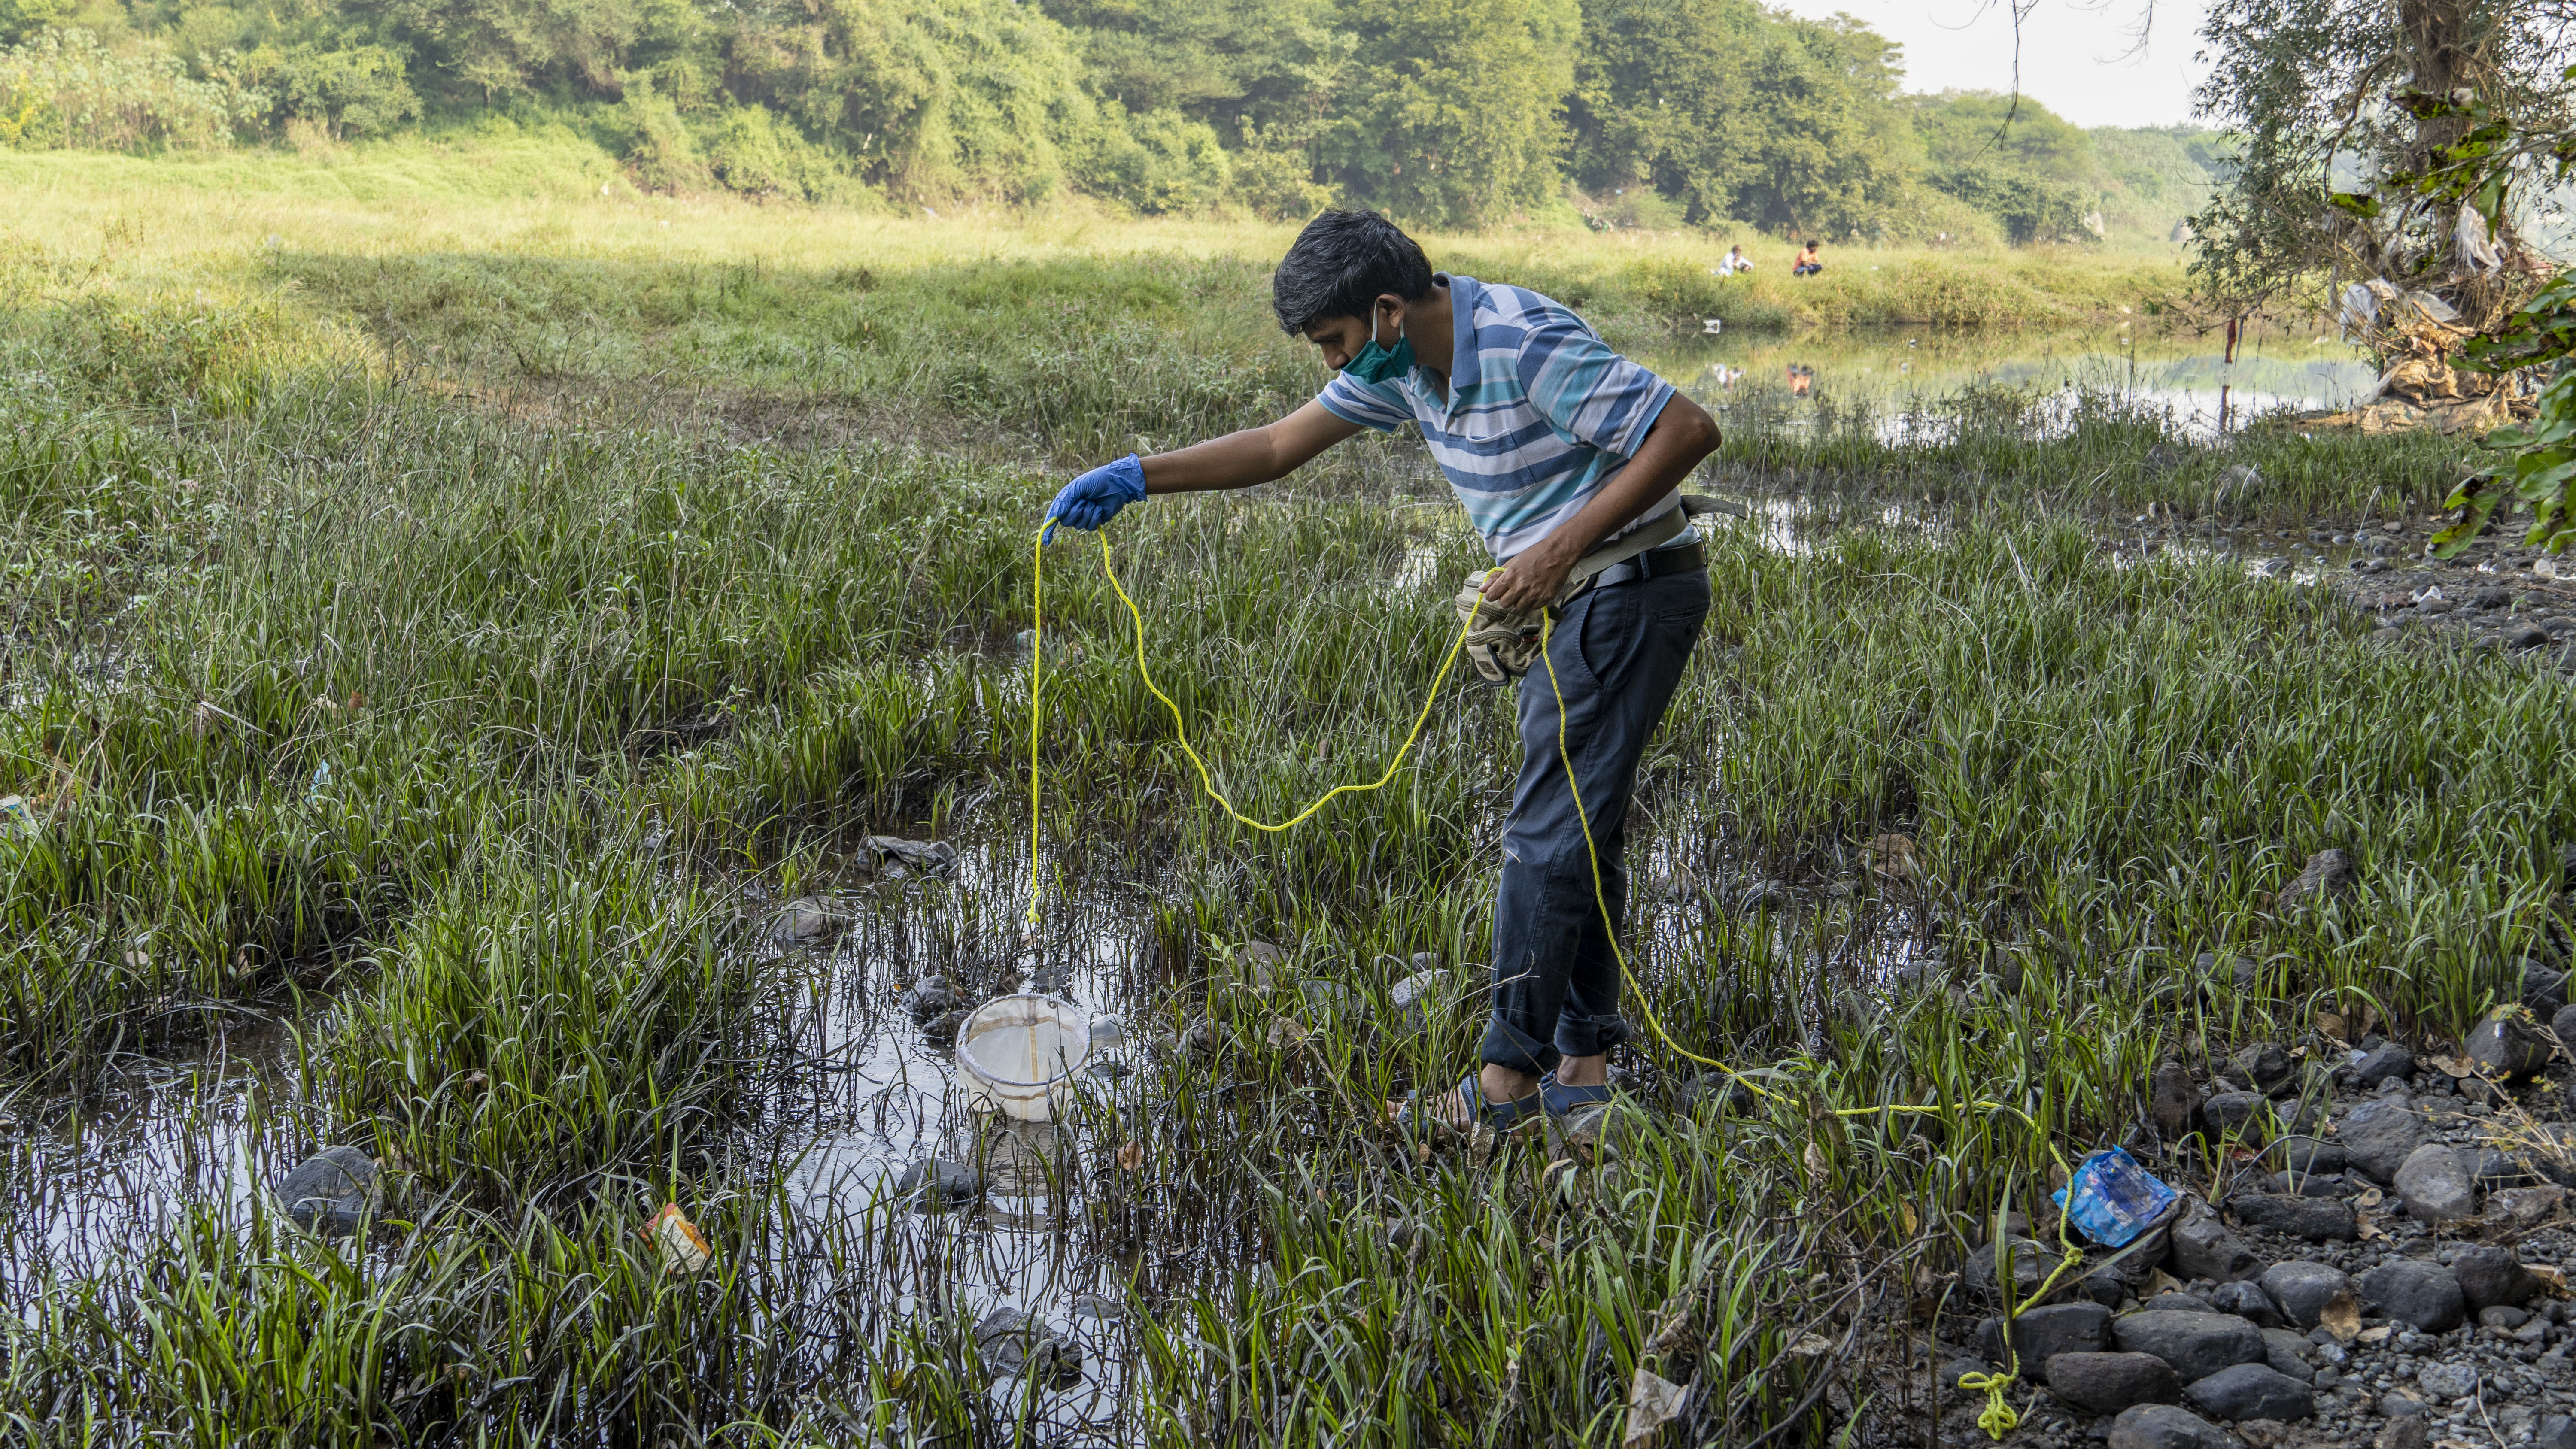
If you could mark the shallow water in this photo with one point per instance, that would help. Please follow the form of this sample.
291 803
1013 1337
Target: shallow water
1899 374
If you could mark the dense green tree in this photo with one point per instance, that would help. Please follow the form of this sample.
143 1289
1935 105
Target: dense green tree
1452 112
1739 112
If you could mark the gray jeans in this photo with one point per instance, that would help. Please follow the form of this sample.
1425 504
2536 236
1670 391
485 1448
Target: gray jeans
1619 653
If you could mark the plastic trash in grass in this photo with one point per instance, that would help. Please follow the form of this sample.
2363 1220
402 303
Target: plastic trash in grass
684 1249
2112 1199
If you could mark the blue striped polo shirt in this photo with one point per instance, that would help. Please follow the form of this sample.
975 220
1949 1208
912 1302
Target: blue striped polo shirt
1539 416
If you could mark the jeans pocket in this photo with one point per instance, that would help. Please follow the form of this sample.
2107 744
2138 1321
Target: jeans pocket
1610 632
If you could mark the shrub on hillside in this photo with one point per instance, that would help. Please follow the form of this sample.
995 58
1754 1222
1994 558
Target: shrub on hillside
63 88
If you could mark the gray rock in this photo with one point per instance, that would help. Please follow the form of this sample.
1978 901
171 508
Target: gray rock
2490 1274
2264 1064
2196 1344
2416 1292
2242 971
2435 1183
2164 1426
2106 1383
2493 596
930 996
2541 990
2379 1135
2175 1300
2317 1219
2443 1382
2558 1431
2562 1025
2382 1063
935 1184
1418 998
2204 1248
2304 1289
2243 1116
2507 1046
332 1191
2041 1334
2031 1264
2493 1169
2250 1391
2284 1351
2174 1101
2406 1407
930 857
943 1028
2328 873
2246 1301
803 922
2304 1155
2502 1317
1098 1307
1011 1342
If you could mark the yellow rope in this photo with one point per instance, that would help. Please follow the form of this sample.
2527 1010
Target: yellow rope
1998 1418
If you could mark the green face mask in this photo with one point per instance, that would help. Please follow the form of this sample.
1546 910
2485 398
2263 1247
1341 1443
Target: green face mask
1377 364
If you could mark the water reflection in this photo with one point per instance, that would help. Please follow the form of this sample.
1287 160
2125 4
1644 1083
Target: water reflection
1899 374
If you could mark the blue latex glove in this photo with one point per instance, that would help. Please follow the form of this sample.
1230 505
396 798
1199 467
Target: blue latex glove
1095 498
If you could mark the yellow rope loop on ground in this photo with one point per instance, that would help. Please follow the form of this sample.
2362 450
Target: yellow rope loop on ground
1448 662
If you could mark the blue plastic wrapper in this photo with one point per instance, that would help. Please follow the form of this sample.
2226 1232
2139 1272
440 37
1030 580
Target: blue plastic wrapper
2113 1199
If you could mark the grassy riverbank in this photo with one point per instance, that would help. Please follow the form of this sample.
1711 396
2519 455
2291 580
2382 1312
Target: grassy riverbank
475 721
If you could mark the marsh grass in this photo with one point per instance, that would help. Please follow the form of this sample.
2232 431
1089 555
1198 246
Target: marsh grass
483 739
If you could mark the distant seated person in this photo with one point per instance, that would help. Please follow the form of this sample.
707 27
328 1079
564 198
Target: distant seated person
1733 262
1808 263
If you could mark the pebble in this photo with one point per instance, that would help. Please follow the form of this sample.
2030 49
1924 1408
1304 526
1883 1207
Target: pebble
2250 1391
2507 1047
1012 1342
2264 1064
2435 1184
2040 1334
2195 1344
2316 1218
2386 1062
2304 1289
930 996
2328 873
2247 1301
2106 1383
2443 1382
2489 1274
2378 1136
2204 1248
804 921
2412 1291
2165 1426
935 1185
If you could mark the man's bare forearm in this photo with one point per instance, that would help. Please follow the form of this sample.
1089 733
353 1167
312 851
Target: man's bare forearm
1237 460
1255 455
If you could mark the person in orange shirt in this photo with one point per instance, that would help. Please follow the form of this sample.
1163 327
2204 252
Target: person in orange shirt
1808 263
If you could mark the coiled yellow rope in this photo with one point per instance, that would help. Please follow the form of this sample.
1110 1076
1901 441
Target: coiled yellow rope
1998 1418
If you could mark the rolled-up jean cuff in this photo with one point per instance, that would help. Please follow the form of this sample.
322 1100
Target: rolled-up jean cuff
1592 1035
1508 1046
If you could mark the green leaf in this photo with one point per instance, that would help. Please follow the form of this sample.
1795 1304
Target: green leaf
2358 203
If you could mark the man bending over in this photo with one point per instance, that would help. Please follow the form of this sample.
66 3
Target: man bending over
1568 458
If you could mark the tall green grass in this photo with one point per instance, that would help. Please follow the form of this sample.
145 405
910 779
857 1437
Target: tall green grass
491 732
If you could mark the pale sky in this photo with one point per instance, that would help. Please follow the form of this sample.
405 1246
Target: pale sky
2075 54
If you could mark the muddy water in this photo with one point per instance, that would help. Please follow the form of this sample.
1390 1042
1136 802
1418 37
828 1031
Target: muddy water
90 1177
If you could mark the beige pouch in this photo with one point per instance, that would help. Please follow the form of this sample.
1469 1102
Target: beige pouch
1501 643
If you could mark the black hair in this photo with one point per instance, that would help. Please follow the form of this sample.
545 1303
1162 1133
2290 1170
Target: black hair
1341 264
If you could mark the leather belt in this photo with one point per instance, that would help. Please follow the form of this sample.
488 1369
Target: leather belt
1652 564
